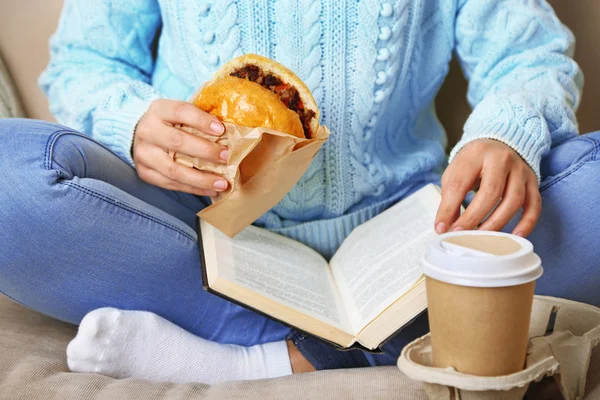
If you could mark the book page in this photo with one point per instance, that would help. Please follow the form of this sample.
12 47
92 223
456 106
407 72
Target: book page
282 270
380 260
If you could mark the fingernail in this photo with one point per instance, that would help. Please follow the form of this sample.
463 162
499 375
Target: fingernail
224 155
221 184
520 234
457 229
217 127
441 228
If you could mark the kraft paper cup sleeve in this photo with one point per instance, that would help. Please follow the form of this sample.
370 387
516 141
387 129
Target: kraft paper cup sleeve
563 354
263 166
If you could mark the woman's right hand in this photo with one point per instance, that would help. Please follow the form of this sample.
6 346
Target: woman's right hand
156 133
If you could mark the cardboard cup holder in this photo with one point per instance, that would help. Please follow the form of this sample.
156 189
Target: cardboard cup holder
562 335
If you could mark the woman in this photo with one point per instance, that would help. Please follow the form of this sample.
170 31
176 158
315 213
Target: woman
103 218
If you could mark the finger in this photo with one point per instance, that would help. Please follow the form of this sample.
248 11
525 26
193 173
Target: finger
181 112
171 138
154 178
512 201
492 185
532 207
454 190
156 159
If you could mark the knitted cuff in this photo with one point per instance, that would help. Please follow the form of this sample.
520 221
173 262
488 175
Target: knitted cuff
497 119
116 130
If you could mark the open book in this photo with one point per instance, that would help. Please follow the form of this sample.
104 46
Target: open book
370 289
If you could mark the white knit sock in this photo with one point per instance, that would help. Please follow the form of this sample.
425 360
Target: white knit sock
139 344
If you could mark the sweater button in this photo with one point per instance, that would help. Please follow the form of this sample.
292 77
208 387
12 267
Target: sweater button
372 169
204 8
386 10
385 33
381 78
368 134
383 54
213 59
367 158
379 95
372 122
208 37
379 190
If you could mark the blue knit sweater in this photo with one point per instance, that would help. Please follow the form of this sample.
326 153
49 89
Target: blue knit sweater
374 68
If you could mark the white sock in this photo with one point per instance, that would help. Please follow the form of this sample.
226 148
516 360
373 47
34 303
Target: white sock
139 344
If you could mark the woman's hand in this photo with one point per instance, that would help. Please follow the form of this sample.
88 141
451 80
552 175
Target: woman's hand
502 177
156 134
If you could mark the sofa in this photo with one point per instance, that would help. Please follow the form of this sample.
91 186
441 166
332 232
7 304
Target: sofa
32 346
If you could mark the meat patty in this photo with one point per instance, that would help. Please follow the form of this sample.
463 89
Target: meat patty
287 94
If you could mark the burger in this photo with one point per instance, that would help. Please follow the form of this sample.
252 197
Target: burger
255 91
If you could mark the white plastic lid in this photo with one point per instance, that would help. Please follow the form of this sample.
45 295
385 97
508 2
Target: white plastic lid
481 259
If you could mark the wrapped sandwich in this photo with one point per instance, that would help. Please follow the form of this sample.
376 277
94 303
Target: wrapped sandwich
272 130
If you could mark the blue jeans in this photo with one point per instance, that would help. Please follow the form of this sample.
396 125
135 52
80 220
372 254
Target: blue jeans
81 231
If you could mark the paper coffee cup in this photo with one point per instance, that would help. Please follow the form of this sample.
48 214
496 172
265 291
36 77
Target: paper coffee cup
479 291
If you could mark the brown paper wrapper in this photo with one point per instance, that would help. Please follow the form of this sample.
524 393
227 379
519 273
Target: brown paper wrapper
263 166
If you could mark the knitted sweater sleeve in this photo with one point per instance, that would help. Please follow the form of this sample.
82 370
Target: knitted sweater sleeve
101 61
524 86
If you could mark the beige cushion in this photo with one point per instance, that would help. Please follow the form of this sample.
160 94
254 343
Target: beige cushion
25 29
10 105
33 366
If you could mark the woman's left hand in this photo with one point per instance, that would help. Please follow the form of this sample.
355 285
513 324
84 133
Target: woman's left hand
503 179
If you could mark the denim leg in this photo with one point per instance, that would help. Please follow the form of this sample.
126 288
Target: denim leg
81 231
567 235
